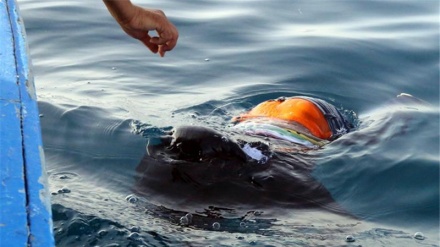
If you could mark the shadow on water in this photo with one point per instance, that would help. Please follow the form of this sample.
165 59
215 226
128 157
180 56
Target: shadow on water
377 174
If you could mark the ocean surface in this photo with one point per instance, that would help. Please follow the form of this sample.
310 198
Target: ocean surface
103 96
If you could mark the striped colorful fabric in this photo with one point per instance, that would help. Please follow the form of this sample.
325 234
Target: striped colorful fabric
273 130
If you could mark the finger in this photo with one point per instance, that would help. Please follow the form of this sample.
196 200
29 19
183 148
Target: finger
158 40
168 46
171 44
146 41
168 37
162 50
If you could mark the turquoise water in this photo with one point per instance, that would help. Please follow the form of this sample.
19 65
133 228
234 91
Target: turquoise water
101 95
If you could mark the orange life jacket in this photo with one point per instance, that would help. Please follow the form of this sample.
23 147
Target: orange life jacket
300 110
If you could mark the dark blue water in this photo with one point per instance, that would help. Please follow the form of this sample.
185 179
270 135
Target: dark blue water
102 95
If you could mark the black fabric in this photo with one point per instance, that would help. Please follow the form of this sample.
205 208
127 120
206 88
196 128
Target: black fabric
195 165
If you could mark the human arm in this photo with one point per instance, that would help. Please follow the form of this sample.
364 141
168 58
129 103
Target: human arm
137 22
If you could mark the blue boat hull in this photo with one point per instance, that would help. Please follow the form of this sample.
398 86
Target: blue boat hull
25 216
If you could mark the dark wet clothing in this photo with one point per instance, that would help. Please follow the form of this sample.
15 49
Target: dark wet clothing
199 165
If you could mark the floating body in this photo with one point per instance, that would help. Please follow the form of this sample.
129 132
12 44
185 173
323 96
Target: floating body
260 161
264 160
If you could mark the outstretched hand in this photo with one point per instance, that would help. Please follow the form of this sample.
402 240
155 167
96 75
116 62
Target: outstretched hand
137 22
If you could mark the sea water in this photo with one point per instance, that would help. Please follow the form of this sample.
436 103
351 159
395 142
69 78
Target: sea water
102 95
